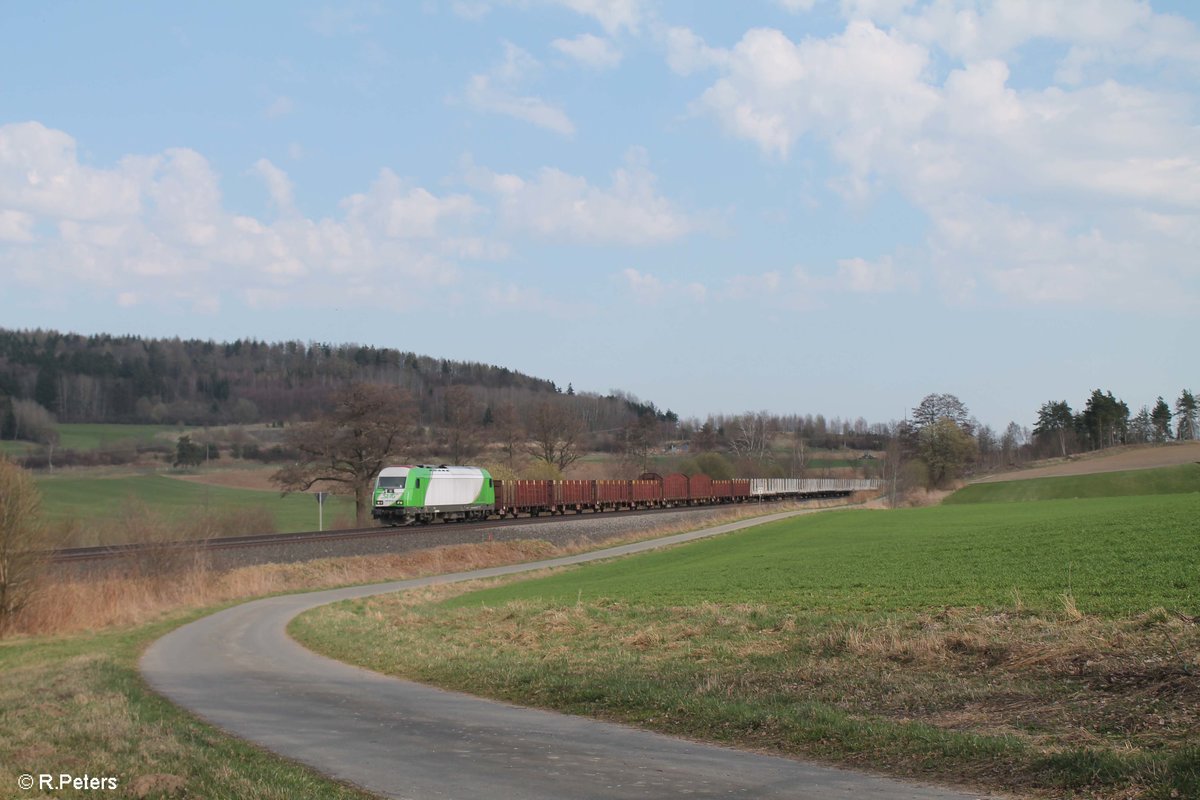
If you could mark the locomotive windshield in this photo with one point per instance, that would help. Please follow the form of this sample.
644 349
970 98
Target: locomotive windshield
391 482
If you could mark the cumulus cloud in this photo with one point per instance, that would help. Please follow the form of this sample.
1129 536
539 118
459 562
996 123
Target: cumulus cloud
155 229
499 92
590 50
556 205
170 239
687 53
796 6
41 174
968 148
279 186
16 226
612 15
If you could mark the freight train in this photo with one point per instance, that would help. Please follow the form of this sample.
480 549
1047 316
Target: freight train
410 494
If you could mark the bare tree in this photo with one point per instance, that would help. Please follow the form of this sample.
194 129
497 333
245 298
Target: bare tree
507 430
33 423
555 431
704 440
751 436
637 440
799 453
462 424
369 426
21 538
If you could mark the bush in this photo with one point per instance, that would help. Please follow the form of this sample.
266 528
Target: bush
21 538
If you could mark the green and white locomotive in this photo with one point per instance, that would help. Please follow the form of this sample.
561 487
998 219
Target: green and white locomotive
408 494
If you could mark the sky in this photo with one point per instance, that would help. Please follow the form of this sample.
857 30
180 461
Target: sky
800 206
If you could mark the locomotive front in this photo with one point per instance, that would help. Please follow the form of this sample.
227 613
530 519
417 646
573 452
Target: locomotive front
390 495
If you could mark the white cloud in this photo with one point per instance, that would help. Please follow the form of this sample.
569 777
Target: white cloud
560 206
590 50
644 287
1095 32
613 15
1080 162
396 211
878 277
172 241
853 88
648 289
16 226
279 107
498 92
278 185
796 6
166 236
41 174
687 53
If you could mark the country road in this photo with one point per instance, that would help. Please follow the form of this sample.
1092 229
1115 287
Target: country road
239 670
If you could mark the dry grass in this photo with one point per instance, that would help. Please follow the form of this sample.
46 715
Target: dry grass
165 581
139 523
1037 688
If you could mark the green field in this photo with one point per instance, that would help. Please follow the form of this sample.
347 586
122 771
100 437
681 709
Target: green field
11 448
86 436
1048 647
94 436
1115 555
1166 480
88 499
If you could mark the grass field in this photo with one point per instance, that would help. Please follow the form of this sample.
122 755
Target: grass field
77 705
87 436
1047 647
1166 480
94 436
68 497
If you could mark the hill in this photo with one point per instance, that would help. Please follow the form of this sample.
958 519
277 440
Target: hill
129 379
1112 460
1165 480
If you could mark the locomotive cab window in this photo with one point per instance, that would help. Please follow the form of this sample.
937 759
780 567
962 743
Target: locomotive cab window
391 483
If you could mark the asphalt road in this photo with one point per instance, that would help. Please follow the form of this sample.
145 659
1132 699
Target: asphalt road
239 670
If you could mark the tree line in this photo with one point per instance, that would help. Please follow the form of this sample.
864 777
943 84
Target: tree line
1105 421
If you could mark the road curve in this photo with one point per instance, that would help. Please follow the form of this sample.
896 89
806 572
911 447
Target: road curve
239 670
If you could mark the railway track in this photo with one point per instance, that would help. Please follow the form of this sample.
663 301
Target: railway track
102 553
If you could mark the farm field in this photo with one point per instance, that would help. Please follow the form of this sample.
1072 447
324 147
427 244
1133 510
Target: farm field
1037 647
1113 460
1167 480
79 501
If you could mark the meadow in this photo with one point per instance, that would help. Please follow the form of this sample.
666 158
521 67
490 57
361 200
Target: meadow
84 507
1045 647
95 436
1180 479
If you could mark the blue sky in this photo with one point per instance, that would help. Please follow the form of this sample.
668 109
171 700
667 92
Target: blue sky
802 206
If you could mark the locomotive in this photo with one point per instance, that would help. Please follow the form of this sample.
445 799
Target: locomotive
409 494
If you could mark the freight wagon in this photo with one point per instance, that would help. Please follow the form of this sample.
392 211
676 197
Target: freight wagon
420 494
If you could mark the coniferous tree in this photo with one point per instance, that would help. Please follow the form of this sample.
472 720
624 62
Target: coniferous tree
1160 419
1185 414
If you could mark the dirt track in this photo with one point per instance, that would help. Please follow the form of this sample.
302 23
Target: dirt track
1139 457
